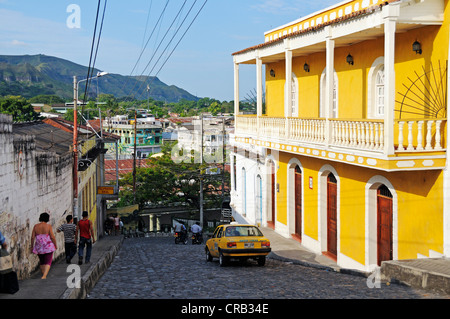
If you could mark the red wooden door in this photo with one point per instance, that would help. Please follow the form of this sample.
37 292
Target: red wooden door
298 202
332 215
384 224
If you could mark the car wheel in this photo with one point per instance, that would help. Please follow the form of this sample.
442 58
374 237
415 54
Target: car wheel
208 255
222 260
262 261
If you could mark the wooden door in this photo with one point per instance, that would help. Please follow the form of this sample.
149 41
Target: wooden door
332 215
298 202
384 224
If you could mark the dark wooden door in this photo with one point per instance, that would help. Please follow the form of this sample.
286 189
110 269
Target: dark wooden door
298 202
332 215
384 224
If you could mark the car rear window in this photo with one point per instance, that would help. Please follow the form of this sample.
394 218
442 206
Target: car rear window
234 231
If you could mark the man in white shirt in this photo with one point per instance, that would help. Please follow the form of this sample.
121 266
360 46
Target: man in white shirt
196 228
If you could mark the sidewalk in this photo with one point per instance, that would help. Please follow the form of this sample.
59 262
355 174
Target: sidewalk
426 273
430 273
55 286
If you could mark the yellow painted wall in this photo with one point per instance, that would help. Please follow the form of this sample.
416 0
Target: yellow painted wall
420 206
352 79
275 89
309 83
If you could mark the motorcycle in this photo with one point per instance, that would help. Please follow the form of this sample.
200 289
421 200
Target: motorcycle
180 237
197 238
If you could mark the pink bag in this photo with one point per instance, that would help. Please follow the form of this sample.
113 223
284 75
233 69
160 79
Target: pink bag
43 244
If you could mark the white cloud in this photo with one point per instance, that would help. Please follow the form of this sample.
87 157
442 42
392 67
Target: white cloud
18 43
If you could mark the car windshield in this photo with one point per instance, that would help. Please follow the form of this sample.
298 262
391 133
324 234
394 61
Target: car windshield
233 231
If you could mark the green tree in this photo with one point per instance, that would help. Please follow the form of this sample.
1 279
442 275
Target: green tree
165 181
19 108
47 99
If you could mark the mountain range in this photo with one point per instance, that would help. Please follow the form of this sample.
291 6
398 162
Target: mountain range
31 75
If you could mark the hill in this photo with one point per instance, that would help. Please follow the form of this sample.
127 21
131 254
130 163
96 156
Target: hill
31 75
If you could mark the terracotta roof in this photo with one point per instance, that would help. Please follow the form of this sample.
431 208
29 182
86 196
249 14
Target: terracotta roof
125 166
350 16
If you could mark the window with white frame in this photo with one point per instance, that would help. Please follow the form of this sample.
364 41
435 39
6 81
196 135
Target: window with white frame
334 111
294 96
379 92
376 89
294 105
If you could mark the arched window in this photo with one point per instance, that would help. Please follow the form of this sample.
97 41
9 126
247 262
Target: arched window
379 92
294 92
334 111
294 96
375 89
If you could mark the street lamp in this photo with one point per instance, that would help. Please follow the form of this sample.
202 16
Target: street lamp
75 137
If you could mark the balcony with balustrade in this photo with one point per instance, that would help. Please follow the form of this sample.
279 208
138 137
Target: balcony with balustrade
421 141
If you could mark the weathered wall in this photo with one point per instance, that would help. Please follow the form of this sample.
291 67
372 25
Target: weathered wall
31 182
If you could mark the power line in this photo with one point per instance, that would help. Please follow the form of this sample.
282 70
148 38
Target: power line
162 40
152 79
179 39
143 49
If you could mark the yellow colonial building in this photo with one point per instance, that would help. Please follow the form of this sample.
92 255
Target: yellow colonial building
348 152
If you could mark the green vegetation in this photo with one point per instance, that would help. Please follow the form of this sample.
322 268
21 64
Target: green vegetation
31 75
167 182
19 108
49 80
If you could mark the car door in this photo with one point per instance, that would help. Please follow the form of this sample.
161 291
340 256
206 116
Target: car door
214 243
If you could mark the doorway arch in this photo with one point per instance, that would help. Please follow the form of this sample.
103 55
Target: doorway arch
295 199
379 189
329 211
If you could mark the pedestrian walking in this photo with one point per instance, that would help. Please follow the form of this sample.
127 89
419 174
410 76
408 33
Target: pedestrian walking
86 232
116 224
70 242
43 243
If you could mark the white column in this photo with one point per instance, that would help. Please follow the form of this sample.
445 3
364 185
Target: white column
259 87
236 89
288 91
258 91
329 85
390 14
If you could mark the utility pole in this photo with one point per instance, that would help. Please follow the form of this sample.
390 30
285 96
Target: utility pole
134 159
223 158
75 149
201 172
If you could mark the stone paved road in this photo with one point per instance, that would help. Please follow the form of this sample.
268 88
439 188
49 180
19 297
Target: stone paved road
157 268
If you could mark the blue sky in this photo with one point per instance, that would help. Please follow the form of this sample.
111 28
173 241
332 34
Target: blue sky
202 63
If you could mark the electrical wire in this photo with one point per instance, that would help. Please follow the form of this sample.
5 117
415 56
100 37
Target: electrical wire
162 40
153 78
143 49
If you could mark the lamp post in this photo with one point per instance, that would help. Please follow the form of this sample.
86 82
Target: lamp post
76 213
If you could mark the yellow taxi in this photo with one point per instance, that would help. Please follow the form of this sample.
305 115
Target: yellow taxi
237 241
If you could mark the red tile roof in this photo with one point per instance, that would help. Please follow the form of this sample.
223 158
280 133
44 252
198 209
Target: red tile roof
352 15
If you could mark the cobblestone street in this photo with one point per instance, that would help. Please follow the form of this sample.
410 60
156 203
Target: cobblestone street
155 267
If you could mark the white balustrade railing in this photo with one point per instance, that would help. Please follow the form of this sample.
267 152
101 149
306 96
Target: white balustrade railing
411 135
368 135
421 135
